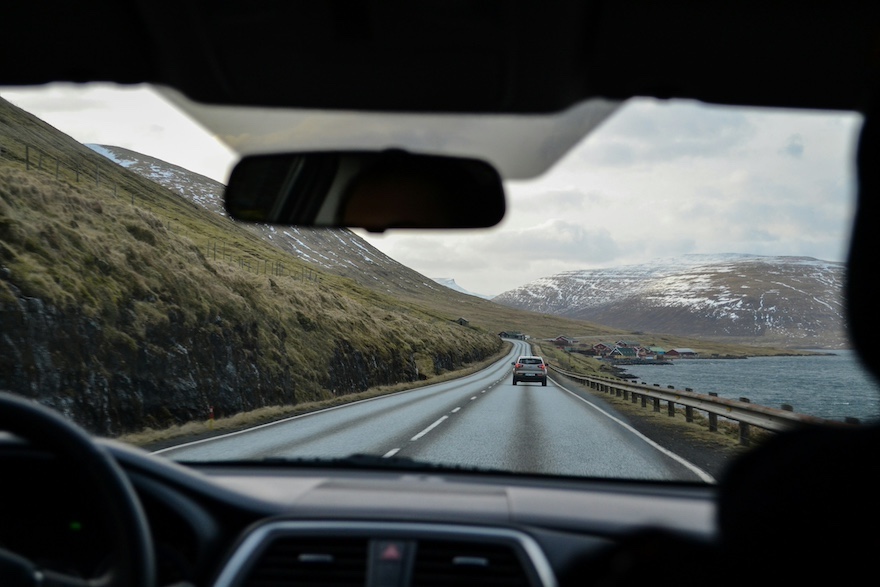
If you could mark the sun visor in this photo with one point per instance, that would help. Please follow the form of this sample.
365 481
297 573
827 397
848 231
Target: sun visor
518 146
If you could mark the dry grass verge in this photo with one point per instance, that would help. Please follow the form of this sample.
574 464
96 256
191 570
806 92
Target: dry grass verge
726 439
153 439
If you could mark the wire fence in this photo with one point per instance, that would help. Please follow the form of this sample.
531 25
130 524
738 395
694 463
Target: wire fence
98 172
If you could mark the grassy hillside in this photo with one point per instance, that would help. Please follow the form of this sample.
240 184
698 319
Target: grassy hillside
113 311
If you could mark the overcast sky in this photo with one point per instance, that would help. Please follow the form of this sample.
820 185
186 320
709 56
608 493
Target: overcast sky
657 179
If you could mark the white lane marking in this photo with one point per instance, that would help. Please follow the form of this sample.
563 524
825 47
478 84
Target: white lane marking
391 453
706 477
473 398
456 409
429 428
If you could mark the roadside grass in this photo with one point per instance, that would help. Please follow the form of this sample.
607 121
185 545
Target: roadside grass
726 439
154 439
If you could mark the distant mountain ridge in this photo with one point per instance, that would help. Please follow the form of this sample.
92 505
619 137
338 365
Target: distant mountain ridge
793 301
450 283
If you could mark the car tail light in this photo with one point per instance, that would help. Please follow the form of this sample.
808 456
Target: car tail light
518 365
543 366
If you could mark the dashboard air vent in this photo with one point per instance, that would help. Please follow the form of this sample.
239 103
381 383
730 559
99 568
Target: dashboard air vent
441 563
311 561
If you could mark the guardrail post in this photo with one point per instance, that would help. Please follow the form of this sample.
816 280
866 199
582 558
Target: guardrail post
644 401
713 418
688 414
656 404
625 394
670 409
744 428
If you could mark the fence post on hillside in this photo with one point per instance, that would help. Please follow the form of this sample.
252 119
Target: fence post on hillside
40 161
97 175
744 428
713 418
76 168
27 158
57 166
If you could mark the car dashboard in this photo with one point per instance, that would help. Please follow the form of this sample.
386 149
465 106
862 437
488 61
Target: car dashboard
273 524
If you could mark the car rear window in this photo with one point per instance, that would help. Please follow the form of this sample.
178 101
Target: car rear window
531 361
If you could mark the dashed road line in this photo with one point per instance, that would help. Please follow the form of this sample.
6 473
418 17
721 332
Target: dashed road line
391 453
429 428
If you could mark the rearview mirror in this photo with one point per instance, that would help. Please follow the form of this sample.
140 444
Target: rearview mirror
371 190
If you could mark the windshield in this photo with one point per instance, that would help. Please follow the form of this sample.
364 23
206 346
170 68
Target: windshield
677 271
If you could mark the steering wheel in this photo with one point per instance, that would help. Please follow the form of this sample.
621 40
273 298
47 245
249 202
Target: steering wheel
134 563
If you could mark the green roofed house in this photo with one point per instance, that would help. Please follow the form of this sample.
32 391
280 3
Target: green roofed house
623 352
656 351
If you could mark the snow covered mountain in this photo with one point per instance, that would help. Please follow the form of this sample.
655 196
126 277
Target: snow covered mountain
338 251
795 301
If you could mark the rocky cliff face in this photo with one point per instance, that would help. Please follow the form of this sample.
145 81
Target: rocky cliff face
792 301
111 383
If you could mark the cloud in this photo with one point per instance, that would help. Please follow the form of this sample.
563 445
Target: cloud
648 132
562 201
556 240
794 147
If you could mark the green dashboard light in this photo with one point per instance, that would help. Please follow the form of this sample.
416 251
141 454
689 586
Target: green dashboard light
75 526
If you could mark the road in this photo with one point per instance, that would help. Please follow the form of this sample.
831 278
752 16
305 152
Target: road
480 420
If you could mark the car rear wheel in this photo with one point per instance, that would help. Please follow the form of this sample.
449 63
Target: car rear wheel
544 383
514 380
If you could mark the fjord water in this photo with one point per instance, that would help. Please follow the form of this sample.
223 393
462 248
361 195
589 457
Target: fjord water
829 386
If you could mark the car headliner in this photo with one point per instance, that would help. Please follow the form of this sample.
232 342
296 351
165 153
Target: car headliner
533 56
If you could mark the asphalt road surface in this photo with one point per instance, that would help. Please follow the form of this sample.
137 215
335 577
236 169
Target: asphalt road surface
480 420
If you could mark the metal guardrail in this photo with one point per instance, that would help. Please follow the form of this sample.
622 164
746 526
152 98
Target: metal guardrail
741 411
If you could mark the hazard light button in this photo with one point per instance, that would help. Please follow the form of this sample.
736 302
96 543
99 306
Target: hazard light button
390 563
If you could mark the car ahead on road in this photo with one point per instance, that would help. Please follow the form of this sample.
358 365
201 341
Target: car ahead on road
411 114
529 368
